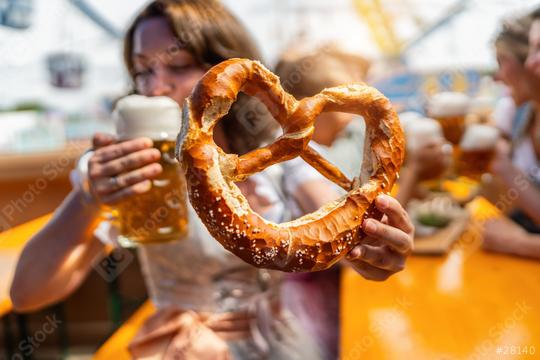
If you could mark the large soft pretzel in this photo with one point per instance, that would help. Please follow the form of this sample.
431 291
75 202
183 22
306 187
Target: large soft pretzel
314 241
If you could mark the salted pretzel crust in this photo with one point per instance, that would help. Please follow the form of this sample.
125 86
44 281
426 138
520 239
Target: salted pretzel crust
315 241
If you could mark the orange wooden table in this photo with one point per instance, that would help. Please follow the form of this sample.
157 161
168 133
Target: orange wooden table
34 184
11 245
469 304
463 305
116 346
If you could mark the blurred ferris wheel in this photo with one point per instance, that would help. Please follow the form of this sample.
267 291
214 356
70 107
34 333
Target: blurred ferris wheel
398 25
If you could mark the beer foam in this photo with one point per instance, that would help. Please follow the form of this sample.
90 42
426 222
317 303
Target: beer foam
422 131
408 117
448 104
158 118
479 137
481 105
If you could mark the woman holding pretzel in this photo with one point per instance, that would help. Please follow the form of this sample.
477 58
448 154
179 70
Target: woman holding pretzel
211 305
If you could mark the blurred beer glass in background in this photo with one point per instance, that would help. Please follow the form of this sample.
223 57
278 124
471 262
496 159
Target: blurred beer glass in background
476 151
450 110
480 110
408 117
420 132
160 214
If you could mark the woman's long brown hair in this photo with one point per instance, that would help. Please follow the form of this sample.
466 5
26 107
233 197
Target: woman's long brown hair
207 30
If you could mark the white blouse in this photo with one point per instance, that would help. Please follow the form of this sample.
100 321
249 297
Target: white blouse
514 123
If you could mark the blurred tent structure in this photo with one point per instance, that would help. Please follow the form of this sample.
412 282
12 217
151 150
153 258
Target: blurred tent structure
61 27
424 34
61 66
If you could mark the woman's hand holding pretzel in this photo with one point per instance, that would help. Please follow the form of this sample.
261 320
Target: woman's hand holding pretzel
388 243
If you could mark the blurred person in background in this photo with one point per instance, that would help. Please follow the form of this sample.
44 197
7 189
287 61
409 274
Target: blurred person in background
533 59
307 72
340 138
516 164
167 50
512 48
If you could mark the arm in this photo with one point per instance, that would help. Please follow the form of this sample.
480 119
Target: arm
505 236
57 259
531 246
529 196
313 194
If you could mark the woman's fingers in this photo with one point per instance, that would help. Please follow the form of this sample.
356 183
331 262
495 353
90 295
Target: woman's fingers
147 172
381 257
100 140
371 272
115 197
120 170
115 151
396 214
388 242
125 163
104 186
394 237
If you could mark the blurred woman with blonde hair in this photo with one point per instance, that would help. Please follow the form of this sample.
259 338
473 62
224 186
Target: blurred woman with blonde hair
516 166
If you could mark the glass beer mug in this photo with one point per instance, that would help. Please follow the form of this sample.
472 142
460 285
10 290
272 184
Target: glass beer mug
476 151
450 110
160 214
419 132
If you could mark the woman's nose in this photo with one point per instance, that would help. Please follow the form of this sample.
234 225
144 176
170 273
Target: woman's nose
159 84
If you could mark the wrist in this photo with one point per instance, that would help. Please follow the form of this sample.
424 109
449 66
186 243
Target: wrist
527 245
81 183
88 201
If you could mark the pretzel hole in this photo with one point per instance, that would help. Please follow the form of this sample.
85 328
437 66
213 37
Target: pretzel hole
345 158
342 130
329 126
260 201
301 190
248 125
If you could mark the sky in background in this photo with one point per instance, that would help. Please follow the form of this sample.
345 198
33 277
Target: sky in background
275 24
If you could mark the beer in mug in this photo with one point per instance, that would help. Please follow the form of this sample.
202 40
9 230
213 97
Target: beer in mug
476 151
450 110
160 214
422 131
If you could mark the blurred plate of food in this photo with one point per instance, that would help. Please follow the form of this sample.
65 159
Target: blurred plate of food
439 221
461 189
